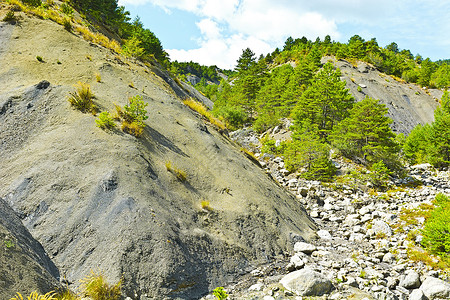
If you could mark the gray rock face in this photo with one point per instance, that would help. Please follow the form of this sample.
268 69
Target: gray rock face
307 282
408 104
435 288
106 199
25 266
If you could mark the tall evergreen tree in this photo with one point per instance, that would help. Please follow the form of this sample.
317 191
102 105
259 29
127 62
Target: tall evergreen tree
245 61
366 133
440 134
325 103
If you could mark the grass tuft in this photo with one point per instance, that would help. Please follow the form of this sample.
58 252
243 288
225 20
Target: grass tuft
96 287
180 174
205 205
82 98
132 128
36 296
201 109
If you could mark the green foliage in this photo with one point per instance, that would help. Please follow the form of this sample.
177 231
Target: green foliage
220 293
309 155
82 98
441 77
246 61
105 121
39 58
431 143
67 25
34 3
185 68
324 104
9 17
436 232
133 116
417 143
234 117
66 9
136 110
132 48
143 43
269 146
8 244
366 134
379 175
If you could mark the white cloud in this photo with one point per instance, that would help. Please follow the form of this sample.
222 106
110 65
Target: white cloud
232 25
228 26
221 51
209 28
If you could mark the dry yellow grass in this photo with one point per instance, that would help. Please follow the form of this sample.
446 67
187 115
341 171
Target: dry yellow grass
36 296
201 109
180 174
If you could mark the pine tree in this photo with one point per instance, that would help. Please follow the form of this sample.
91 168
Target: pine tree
245 61
440 134
366 133
417 145
325 103
306 152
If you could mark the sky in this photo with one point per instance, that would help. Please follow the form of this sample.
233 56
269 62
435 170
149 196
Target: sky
215 32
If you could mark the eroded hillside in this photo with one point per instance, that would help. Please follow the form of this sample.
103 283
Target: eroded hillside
105 200
408 104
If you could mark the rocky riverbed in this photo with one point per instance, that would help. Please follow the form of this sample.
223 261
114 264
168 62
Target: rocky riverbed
362 245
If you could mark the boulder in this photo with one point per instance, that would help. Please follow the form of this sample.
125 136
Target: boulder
381 228
324 234
304 247
417 295
307 282
410 281
435 288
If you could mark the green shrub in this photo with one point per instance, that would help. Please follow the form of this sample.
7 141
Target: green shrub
220 293
380 175
39 58
66 9
132 48
436 232
82 98
9 244
67 25
135 111
34 3
9 17
234 116
105 121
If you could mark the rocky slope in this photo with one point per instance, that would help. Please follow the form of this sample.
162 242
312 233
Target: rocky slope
105 200
362 248
408 104
25 265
